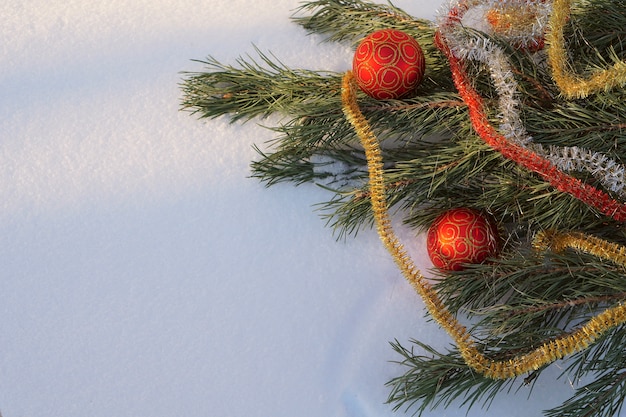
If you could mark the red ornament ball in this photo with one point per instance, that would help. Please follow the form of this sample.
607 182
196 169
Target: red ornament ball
388 64
460 236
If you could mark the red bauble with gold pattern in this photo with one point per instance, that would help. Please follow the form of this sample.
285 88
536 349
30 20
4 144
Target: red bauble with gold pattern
462 236
388 64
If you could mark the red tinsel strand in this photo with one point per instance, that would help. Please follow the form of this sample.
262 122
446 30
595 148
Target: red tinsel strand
520 155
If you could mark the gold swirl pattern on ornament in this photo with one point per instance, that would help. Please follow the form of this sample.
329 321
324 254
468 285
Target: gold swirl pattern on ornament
545 354
573 85
387 71
446 245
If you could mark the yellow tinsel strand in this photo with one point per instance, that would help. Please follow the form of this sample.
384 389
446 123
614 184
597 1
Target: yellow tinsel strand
544 354
570 84
584 243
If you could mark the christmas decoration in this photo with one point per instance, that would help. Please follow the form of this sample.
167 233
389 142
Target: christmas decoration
522 116
461 236
388 64
517 23
573 85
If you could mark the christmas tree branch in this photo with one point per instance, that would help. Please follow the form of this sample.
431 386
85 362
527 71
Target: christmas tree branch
434 158
437 380
346 19
604 395
257 87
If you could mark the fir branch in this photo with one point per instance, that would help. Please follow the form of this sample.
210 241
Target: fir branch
351 19
338 168
543 308
254 88
604 397
605 394
587 124
595 35
437 380
552 292
283 166
434 161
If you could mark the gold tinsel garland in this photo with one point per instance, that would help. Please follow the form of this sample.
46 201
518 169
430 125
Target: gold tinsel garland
547 353
570 84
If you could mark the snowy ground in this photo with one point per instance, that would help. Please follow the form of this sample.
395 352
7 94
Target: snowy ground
143 273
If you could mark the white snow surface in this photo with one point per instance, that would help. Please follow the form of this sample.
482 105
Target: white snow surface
143 273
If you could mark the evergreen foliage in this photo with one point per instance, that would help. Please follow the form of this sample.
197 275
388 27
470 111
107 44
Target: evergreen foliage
436 161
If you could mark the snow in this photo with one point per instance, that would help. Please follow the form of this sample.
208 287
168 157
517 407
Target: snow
143 273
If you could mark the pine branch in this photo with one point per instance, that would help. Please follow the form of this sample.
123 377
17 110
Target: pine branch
604 396
598 38
436 380
350 19
434 160
257 87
